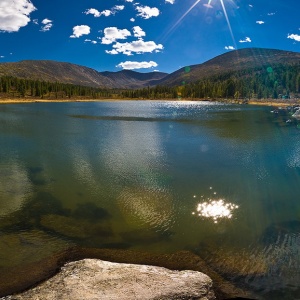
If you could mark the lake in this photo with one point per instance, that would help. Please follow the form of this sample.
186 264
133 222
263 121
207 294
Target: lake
221 181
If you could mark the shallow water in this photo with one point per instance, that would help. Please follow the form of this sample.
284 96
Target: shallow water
131 175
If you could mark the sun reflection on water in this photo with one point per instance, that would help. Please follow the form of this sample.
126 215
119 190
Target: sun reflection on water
215 209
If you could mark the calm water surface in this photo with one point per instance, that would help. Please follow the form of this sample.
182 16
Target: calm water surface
219 180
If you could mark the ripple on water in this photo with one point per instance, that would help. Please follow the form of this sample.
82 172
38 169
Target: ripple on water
270 265
146 208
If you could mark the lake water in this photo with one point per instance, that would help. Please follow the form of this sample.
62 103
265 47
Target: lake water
221 181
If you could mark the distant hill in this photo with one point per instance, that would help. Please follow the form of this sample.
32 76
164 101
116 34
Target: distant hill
249 58
53 71
132 79
234 61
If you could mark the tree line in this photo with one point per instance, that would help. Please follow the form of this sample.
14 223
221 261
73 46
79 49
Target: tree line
279 81
18 87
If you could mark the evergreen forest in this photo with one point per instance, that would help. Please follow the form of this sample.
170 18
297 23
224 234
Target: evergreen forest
280 81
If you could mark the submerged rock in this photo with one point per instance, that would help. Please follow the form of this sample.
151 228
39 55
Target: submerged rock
97 279
26 247
75 228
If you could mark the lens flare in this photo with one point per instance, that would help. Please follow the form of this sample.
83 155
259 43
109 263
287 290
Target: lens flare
182 17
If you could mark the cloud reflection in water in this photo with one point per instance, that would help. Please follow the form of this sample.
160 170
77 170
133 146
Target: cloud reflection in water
15 186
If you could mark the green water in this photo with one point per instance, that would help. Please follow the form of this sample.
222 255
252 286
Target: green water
130 175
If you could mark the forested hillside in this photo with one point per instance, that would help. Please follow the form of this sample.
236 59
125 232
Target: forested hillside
13 87
279 81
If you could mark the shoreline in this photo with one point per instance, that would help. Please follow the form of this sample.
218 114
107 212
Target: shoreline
268 102
28 276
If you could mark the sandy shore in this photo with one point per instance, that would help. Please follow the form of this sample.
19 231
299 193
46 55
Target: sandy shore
275 103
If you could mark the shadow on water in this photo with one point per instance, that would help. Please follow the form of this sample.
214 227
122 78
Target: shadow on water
277 232
35 175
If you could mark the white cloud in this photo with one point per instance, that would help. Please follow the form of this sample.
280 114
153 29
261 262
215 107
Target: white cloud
129 0
138 32
271 14
208 5
92 11
147 12
295 37
246 40
35 21
96 13
47 25
113 52
106 13
46 21
111 34
80 30
229 48
118 7
138 47
15 14
170 1
260 22
131 65
90 41
132 20
250 5
2 56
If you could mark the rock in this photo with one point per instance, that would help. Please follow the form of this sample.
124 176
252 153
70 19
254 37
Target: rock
97 279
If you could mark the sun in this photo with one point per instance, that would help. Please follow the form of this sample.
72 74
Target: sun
210 6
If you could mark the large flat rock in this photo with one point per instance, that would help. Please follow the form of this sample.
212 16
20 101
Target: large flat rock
97 279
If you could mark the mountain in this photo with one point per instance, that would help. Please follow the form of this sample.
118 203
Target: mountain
249 58
54 71
234 61
132 79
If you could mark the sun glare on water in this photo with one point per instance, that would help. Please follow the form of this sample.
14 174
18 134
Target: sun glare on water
215 209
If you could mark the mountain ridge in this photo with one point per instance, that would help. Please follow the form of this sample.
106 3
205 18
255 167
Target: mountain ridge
235 60
65 72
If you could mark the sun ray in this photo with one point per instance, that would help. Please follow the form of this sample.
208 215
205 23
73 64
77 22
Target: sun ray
228 22
181 18
189 10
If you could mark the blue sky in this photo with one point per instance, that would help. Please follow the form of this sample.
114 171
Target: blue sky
143 35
